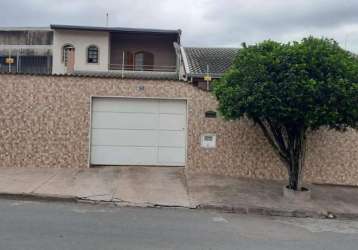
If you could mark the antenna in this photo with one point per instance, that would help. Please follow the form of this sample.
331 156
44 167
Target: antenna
107 19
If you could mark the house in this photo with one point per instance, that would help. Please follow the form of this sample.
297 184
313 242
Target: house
109 51
123 96
80 49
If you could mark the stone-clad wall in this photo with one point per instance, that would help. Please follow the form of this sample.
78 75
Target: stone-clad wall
44 122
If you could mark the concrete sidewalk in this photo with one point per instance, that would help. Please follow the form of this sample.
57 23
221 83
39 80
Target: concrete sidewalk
168 186
265 197
137 186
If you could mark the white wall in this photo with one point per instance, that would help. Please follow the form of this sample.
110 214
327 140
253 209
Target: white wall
80 40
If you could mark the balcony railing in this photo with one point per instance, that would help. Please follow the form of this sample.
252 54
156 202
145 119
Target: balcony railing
26 64
132 71
153 68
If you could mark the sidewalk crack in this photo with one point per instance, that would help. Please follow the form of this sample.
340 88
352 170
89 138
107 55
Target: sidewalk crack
44 183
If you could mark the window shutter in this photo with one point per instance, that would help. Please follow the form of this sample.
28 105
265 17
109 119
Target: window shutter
129 62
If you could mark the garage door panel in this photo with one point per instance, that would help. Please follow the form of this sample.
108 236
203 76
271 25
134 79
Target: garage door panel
125 105
172 122
172 107
109 155
115 137
172 138
171 156
124 120
138 132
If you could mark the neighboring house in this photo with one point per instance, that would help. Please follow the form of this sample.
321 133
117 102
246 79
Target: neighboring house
26 50
121 96
199 63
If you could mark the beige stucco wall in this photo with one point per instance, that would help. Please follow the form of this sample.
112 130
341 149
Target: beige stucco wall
81 40
44 122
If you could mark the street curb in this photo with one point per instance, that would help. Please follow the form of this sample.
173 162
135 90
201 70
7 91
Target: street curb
265 211
53 198
83 200
252 210
38 197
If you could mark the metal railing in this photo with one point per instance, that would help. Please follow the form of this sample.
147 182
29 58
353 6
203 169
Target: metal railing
155 68
19 61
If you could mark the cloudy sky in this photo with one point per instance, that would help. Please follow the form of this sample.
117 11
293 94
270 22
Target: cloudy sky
203 22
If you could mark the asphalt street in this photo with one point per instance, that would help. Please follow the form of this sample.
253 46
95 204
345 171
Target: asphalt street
30 225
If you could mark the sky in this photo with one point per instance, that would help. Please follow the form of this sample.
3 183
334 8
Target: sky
206 23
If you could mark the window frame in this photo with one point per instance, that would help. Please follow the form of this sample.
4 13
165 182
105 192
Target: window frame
92 46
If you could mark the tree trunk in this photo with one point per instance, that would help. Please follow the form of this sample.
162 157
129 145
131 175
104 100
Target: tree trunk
296 151
288 141
294 177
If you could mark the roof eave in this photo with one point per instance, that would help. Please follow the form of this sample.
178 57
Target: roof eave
115 29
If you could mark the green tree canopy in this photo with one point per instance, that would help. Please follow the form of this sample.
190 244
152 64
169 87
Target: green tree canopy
290 88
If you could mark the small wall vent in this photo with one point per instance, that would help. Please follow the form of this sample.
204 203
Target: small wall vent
210 114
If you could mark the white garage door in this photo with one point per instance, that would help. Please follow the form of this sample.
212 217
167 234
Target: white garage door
138 132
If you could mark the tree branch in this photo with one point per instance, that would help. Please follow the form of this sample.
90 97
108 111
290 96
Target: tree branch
279 137
273 143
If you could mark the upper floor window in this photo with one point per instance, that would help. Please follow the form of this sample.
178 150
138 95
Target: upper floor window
92 54
66 49
144 60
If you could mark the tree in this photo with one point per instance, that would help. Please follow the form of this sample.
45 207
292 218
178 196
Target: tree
289 90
